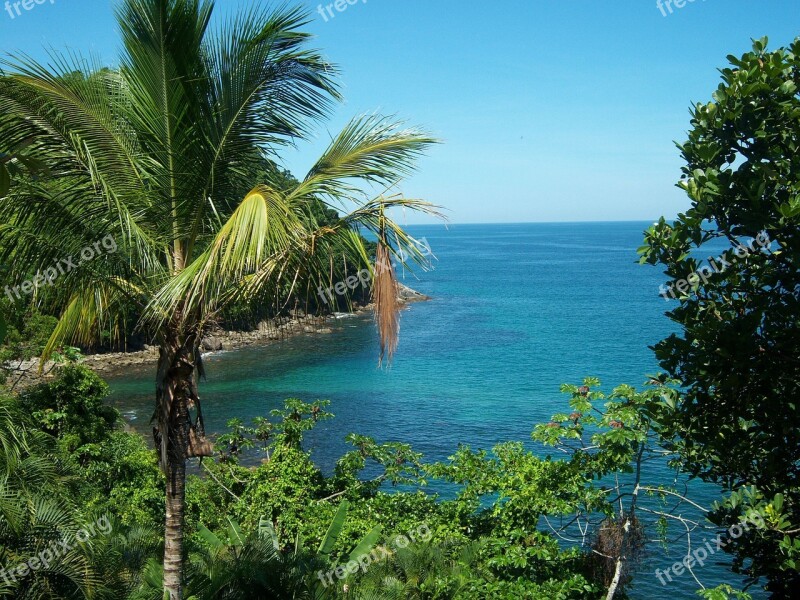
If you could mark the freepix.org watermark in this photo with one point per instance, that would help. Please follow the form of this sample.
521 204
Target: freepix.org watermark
326 11
715 266
56 549
364 276
14 9
701 553
62 267
421 534
666 6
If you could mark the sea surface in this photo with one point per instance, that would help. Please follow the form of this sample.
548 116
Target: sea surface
517 310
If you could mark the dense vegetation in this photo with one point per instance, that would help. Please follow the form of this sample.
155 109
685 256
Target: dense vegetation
737 423
283 529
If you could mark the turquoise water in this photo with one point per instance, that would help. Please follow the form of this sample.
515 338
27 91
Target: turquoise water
516 311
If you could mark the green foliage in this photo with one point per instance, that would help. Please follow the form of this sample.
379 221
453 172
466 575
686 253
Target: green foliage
39 518
295 419
71 407
303 534
335 529
737 423
26 332
122 478
398 464
486 541
238 565
235 562
15 162
114 472
281 489
612 439
724 592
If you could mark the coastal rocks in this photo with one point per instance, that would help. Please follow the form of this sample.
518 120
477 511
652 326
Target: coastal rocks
406 294
115 361
26 373
267 326
211 344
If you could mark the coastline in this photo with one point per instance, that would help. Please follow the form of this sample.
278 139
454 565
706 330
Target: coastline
24 374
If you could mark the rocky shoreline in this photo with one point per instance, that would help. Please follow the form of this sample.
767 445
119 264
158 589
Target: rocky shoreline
26 373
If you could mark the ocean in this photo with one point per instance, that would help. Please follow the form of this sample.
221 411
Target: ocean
516 311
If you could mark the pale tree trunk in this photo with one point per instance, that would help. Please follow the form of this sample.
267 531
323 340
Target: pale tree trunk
178 437
625 545
612 589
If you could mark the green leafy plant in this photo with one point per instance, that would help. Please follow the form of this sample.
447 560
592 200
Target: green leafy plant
736 424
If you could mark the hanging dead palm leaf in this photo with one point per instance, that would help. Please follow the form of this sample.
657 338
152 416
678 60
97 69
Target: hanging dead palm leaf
387 308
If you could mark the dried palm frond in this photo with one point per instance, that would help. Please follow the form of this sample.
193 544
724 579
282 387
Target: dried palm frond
387 308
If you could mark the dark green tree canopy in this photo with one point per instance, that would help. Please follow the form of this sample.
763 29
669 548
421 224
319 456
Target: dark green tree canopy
738 350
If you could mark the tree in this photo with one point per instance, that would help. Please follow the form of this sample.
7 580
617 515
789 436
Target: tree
149 158
71 407
737 354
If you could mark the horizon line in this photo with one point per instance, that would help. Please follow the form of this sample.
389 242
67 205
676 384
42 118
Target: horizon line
448 223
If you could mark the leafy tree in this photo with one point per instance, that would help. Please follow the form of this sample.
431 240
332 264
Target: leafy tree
737 355
120 476
112 471
152 157
24 333
71 407
483 544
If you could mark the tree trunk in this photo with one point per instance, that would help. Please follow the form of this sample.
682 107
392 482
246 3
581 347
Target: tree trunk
612 589
177 439
625 547
173 530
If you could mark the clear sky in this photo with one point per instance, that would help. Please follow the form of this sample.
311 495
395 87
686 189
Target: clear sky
549 110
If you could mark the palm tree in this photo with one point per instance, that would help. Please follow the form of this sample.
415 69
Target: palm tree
148 157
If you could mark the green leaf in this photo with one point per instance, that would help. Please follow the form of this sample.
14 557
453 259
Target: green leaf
235 533
209 538
366 544
266 528
328 542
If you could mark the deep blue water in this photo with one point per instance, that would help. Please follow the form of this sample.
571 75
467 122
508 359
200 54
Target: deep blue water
516 311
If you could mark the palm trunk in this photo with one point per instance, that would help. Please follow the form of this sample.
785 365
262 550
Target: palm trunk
173 530
177 438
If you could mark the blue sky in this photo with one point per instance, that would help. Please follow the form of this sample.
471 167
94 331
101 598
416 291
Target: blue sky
549 110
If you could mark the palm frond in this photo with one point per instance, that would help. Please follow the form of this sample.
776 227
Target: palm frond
260 229
92 309
372 149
